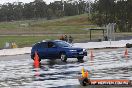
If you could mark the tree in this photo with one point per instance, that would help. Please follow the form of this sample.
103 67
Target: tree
18 10
114 11
29 11
39 9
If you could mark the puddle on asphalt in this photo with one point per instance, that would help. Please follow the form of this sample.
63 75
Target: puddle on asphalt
20 73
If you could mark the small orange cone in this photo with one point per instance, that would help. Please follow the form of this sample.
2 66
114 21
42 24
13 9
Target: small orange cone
36 60
86 74
126 53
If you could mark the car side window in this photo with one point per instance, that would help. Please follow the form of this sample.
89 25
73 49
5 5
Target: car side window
51 44
42 45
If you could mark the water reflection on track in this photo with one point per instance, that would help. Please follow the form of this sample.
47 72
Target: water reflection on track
19 72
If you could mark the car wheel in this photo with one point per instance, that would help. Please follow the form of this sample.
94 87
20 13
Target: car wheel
63 57
128 45
80 59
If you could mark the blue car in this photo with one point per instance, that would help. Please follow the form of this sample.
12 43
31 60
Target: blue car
57 49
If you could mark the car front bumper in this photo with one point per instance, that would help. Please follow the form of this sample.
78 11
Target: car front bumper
76 54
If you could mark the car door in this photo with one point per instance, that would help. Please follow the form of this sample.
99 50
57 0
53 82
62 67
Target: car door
43 50
52 50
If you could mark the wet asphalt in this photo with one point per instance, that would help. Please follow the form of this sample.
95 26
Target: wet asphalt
18 71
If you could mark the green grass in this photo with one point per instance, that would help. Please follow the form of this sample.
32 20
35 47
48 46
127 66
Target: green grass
72 24
66 25
23 41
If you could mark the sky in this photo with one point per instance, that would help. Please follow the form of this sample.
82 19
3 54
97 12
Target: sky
26 1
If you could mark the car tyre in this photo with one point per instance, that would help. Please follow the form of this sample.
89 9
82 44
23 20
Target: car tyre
80 59
128 45
63 57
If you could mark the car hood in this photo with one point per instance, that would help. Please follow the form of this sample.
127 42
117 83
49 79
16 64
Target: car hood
74 48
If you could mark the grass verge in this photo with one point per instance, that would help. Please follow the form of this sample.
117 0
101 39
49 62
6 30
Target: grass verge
23 41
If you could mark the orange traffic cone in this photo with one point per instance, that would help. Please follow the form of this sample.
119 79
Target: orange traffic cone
126 53
86 74
36 61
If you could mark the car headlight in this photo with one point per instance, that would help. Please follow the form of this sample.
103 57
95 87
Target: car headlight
84 50
73 50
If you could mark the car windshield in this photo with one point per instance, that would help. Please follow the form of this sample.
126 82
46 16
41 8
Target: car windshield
63 44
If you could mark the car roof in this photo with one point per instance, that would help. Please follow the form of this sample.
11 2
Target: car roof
51 40
47 41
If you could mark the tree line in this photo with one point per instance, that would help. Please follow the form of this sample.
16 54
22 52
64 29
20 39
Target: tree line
102 11
113 11
39 9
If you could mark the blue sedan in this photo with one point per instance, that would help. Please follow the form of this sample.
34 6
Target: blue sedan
57 49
